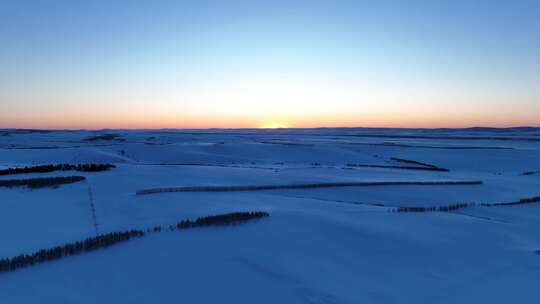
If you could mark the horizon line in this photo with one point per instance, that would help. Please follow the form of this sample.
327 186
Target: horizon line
270 129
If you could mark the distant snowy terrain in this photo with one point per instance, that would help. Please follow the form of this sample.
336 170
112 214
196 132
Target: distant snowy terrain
319 245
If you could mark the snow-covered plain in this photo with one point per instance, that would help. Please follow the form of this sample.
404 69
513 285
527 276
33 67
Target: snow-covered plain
321 245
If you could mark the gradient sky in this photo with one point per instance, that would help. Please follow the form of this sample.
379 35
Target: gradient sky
199 64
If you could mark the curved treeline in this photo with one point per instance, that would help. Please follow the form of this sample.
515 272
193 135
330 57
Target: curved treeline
35 183
414 162
113 238
104 137
523 201
530 173
214 220
454 207
307 186
58 252
399 167
58 167
448 208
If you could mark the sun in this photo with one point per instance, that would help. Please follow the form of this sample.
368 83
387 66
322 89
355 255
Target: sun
274 125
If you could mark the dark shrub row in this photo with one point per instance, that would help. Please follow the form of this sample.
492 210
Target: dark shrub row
113 238
454 207
58 167
41 182
58 252
305 186
399 167
214 220
523 201
448 208
408 161
102 137
537 252
530 173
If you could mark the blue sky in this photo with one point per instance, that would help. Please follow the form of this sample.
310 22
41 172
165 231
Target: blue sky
131 64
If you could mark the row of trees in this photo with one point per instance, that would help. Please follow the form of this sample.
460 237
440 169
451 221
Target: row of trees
58 167
408 161
113 238
399 167
103 137
227 219
454 207
304 186
55 253
448 208
41 182
523 201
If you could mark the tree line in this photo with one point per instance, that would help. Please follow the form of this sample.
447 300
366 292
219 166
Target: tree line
408 161
523 201
35 183
58 167
103 137
304 186
448 208
58 252
454 207
399 167
215 220
113 238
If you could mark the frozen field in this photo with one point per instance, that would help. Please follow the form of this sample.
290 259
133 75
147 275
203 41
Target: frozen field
319 245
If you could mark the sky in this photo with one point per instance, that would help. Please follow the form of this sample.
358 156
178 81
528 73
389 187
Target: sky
245 64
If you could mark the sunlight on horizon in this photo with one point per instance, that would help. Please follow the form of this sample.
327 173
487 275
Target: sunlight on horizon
274 125
214 64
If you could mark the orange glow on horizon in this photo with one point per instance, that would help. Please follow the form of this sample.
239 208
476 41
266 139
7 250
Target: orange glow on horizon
274 125
214 121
